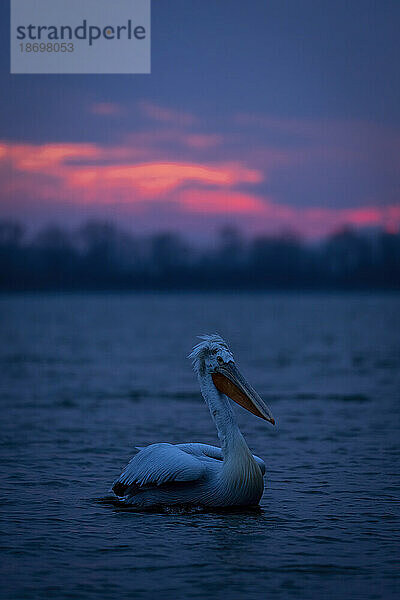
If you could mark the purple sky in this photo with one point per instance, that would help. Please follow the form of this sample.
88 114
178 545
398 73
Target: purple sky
270 116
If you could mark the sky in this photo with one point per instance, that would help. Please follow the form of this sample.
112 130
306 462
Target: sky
269 116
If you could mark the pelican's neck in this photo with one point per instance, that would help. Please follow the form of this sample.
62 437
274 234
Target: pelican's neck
232 441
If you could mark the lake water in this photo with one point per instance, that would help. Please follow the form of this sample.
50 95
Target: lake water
84 378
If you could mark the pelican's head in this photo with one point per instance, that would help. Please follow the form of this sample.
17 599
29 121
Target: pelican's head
212 356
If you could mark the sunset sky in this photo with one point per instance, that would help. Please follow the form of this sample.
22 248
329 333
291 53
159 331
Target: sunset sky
267 115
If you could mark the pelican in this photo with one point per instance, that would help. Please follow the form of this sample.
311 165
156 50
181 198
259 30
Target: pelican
198 474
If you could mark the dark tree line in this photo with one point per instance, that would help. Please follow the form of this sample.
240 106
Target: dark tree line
100 256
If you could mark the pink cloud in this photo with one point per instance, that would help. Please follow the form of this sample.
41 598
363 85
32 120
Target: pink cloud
172 140
202 174
322 221
154 179
166 115
60 170
108 109
220 202
264 215
201 141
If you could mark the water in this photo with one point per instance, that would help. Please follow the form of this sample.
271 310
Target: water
85 378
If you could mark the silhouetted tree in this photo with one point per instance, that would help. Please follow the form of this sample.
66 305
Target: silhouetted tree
277 261
102 256
53 257
12 255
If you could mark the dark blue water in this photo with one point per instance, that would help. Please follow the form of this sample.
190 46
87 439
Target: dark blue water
85 378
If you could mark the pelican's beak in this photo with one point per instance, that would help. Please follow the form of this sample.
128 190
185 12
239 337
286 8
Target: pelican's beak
229 381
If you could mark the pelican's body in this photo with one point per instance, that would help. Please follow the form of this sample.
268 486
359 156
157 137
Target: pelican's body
199 474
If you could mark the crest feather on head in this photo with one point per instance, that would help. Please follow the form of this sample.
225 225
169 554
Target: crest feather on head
202 349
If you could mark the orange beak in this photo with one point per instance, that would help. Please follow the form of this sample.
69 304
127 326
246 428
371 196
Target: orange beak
229 381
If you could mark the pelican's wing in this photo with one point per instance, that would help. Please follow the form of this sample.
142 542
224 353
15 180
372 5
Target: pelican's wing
158 464
202 450
198 449
260 463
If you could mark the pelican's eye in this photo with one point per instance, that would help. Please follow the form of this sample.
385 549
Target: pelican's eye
220 359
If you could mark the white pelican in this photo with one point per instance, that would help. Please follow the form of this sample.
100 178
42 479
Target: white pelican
199 474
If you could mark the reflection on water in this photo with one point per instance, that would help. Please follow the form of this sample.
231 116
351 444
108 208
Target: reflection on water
85 378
